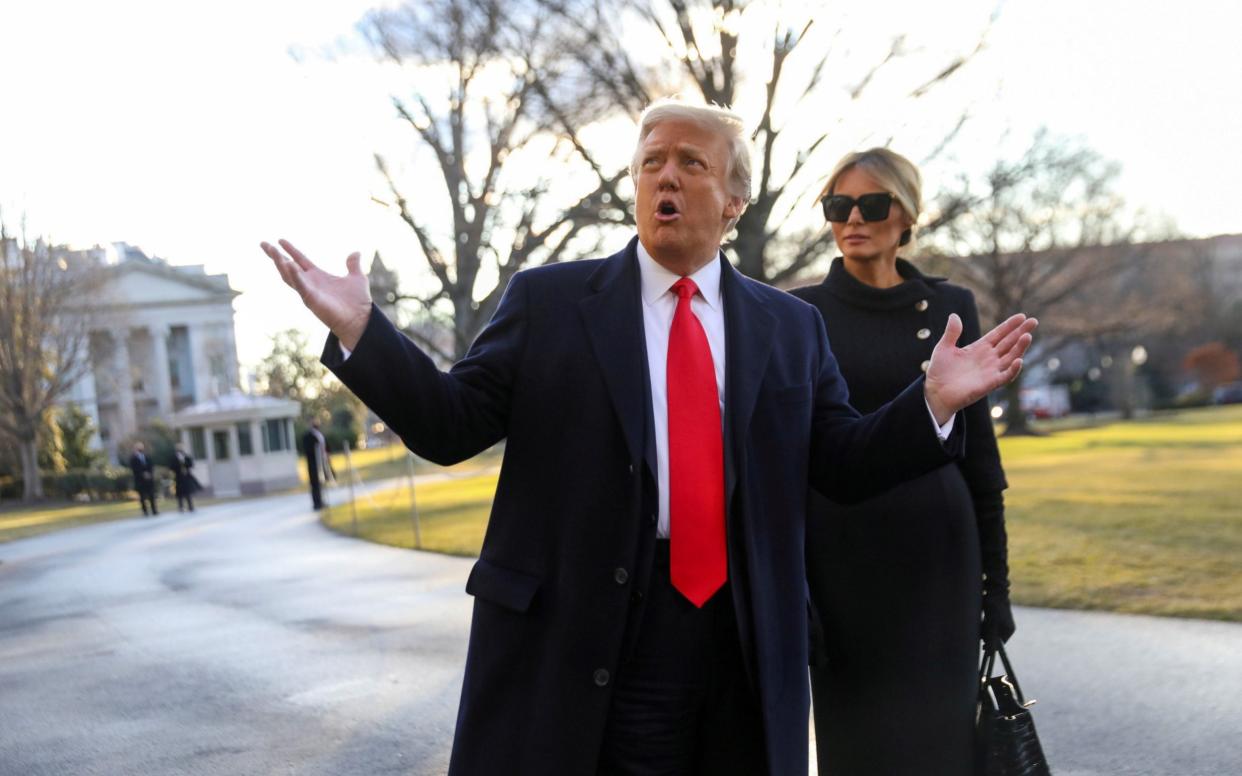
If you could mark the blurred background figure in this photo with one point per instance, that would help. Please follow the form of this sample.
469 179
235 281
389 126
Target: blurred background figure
144 478
899 581
318 464
183 478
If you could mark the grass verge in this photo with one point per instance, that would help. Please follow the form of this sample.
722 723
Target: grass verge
20 522
452 515
1143 516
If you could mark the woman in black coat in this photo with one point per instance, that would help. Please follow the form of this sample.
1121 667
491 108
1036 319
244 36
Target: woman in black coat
183 478
899 583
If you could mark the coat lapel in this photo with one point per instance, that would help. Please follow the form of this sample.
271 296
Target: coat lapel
612 314
748 344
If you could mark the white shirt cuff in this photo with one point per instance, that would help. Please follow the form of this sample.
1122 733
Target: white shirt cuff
345 353
941 431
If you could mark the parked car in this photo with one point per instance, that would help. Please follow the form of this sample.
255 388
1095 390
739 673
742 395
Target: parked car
1229 393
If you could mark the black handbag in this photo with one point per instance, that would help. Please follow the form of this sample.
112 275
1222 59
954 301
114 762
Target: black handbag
1005 730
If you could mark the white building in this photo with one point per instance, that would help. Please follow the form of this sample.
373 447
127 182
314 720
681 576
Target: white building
242 445
161 340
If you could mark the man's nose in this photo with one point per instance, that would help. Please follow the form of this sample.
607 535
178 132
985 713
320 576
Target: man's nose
668 176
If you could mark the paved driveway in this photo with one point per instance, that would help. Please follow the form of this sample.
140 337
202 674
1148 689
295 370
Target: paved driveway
246 639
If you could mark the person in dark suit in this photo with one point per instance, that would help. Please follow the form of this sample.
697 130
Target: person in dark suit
144 478
318 464
899 582
640 596
184 481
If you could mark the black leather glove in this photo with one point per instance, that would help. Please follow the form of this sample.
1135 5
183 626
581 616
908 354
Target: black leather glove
997 618
993 546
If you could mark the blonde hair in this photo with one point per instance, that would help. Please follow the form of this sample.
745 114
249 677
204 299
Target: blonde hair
722 121
898 175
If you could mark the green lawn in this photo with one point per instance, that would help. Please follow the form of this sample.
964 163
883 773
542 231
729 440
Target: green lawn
1143 516
382 463
18 522
452 515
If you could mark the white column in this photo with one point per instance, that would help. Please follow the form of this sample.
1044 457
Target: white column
230 361
126 415
198 362
160 373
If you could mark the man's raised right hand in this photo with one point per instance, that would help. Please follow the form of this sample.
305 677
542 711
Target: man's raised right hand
342 302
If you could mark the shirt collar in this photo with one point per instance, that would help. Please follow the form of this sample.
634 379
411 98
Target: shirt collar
656 280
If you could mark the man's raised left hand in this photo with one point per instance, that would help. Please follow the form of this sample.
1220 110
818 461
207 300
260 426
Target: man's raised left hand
958 377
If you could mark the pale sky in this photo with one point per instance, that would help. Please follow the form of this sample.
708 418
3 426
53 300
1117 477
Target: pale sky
189 130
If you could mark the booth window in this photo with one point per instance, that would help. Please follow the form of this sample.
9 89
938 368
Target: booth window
244 445
198 442
220 444
275 436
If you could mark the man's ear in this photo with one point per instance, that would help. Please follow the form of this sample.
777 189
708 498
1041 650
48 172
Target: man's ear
734 207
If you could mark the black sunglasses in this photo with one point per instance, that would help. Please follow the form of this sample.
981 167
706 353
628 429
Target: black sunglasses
873 207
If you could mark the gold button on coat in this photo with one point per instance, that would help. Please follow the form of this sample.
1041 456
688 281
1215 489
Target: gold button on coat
924 365
921 305
923 333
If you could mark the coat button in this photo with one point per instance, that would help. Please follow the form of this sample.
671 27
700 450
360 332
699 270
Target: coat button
621 576
920 305
923 333
631 468
924 365
636 596
601 677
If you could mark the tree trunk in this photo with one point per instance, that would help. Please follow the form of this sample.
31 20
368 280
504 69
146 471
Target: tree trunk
1015 418
32 484
1127 389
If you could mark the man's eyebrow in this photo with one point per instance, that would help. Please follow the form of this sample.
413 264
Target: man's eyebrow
700 154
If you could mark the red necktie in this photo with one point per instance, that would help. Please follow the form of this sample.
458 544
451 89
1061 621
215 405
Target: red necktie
697 563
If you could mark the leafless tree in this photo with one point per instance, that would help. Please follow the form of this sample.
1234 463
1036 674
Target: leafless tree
479 69
44 346
501 89
1048 235
798 91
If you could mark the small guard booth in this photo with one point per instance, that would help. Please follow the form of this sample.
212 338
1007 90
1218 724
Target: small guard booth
242 445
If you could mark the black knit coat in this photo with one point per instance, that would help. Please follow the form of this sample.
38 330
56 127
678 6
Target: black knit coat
896 582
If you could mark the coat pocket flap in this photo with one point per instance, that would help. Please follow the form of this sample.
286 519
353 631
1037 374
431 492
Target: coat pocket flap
504 587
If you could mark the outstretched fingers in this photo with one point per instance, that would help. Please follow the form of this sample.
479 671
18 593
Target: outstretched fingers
289 272
1004 329
1015 333
1015 352
1016 343
1012 371
283 265
300 258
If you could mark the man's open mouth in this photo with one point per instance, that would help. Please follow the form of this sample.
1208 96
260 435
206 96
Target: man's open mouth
666 210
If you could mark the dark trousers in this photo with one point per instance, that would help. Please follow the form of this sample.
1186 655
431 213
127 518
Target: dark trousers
184 497
682 705
147 496
316 495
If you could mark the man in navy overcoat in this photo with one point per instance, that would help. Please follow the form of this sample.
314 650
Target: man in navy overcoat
583 657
